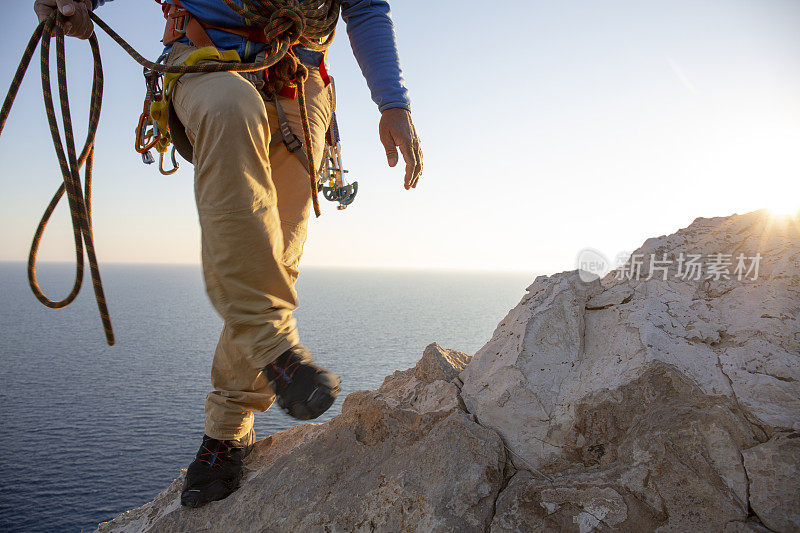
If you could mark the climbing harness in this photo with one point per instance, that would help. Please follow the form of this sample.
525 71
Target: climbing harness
155 128
159 127
283 24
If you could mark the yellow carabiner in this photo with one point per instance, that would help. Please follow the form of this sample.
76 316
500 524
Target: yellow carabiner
175 165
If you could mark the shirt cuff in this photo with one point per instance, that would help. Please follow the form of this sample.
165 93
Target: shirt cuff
393 105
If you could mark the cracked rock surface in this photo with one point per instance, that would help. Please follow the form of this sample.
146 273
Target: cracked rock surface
653 404
660 403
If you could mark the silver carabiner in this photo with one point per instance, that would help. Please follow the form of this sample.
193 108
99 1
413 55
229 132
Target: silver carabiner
147 158
175 165
148 73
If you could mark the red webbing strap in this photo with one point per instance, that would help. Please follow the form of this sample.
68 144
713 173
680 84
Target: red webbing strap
326 79
291 92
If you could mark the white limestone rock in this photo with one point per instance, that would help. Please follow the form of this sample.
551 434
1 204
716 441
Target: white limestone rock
655 454
655 386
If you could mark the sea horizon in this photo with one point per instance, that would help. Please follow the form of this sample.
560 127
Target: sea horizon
304 268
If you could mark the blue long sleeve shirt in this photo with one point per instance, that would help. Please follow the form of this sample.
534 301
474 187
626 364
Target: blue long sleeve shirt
369 27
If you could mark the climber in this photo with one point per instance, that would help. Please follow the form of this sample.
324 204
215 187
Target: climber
253 202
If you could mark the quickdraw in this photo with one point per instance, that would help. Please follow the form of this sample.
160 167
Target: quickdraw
146 139
331 173
330 176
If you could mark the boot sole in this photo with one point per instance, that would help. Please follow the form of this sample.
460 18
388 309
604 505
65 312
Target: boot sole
317 403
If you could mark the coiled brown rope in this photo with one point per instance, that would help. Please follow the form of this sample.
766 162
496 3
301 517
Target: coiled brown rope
311 24
285 22
70 164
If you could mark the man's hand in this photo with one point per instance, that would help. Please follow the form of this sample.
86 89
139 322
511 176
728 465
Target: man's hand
78 23
397 130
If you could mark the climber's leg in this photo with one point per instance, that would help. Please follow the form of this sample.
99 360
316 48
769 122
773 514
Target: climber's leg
242 252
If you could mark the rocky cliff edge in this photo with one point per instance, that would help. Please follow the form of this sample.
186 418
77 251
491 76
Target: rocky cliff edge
665 396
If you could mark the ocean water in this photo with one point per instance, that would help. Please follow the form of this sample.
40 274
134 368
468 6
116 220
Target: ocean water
89 431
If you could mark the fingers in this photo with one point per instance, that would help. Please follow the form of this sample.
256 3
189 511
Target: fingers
80 25
77 23
397 130
43 8
412 164
389 145
66 7
412 154
418 156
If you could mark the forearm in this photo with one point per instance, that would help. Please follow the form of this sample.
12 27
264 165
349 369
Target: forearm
372 38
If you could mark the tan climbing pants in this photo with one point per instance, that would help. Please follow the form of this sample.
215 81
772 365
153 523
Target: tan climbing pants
253 204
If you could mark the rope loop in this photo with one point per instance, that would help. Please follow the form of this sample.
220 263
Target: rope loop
287 20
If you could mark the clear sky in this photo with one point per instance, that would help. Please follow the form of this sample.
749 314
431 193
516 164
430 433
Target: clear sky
547 127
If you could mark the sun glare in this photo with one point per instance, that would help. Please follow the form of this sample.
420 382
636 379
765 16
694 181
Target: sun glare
786 208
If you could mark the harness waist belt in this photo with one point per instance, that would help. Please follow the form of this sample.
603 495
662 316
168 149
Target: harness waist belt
181 23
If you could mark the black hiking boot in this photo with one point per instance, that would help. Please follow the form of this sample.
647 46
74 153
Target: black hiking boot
216 470
304 390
